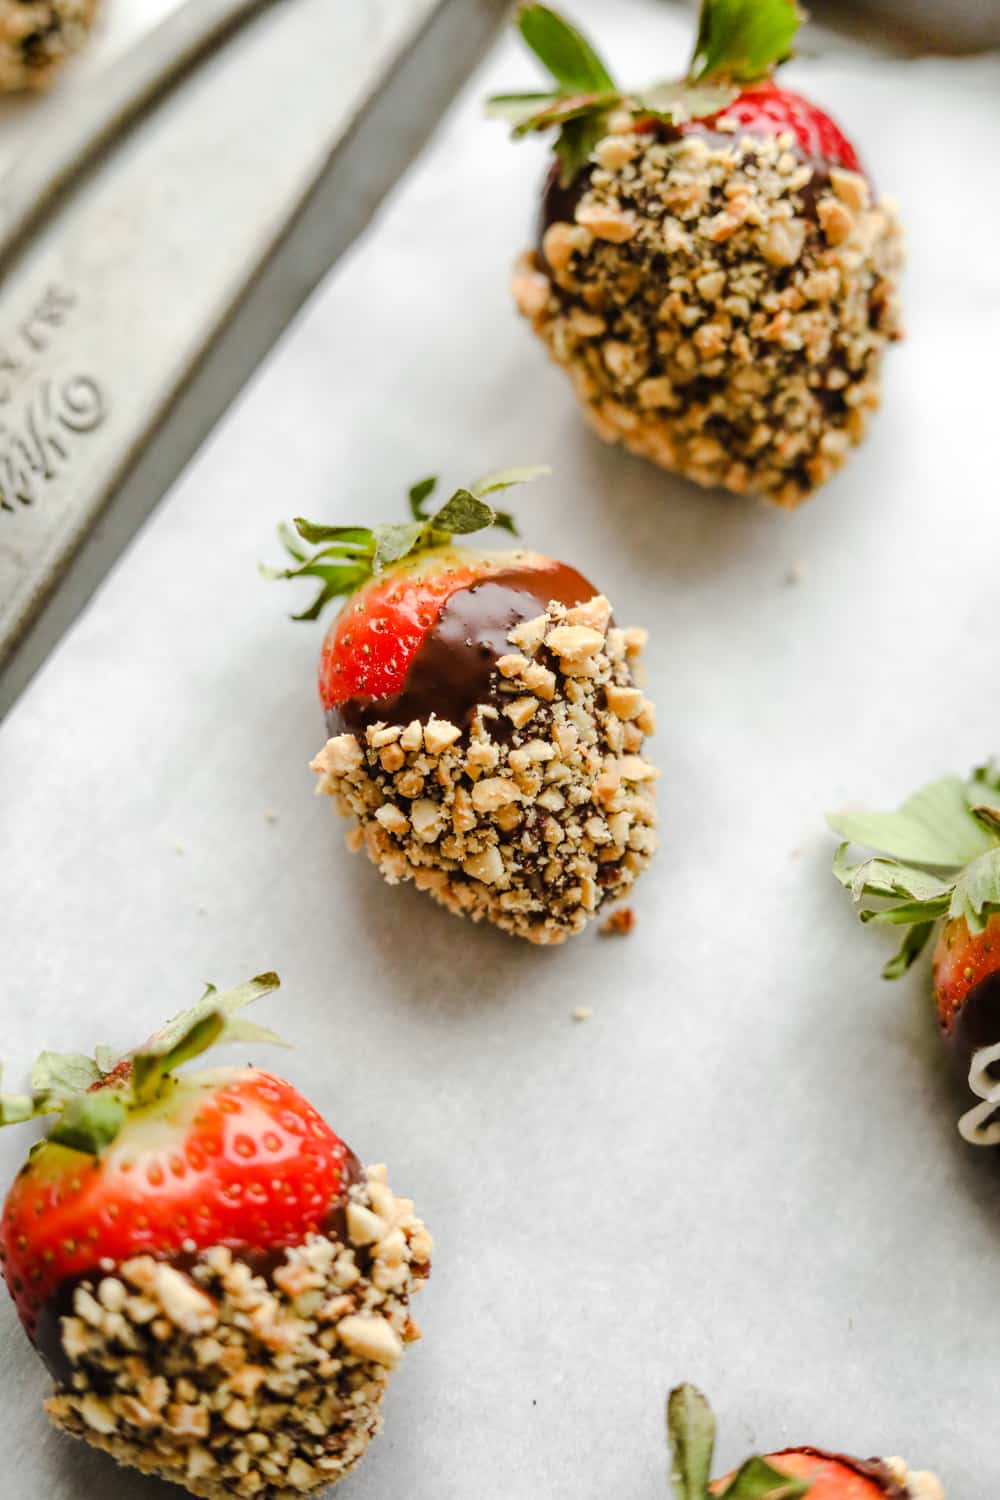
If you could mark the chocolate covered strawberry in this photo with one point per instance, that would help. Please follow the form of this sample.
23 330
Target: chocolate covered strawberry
217 1286
788 1474
936 873
713 269
486 731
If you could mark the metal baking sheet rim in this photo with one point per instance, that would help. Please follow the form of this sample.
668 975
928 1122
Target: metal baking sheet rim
445 39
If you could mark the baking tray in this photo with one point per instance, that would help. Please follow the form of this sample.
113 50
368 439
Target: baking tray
157 231
743 1169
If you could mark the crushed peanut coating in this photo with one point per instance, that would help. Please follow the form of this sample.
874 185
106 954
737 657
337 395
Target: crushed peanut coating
918 1486
721 305
36 38
236 1384
543 810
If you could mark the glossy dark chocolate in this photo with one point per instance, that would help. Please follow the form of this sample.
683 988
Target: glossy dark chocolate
454 667
873 1469
48 1331
977 1023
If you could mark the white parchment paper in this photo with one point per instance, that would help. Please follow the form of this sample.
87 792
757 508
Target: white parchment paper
744 1168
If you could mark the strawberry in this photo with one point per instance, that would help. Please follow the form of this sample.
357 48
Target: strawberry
936 870
785 1475
458 684
730 78
167 1184
712 268
767 109
399 578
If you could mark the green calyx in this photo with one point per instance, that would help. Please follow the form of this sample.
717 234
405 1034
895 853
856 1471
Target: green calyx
936 856
347 556
691 1431
90 1097
739 42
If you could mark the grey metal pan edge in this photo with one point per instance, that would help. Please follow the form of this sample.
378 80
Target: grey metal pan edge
142 406
119 96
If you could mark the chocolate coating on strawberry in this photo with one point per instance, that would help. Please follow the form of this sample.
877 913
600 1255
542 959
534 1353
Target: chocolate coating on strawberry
788 1474
486 730
453 669
937 869
714 273
218 1288
834 1476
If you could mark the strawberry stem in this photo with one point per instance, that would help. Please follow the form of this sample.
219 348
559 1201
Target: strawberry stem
739 42
91 1098
347 556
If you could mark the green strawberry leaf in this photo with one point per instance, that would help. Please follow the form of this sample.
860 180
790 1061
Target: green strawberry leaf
934 827
106 1058
89 1118
419 493
58 1075
887 877
566 109
908 912
757 1480
976 896
394 542
691 1430
742 41
350 541
676 103
348 556
581 106
914 942
90 1122
506 479
562 49
215 1019
944 848
516 108
575 144
16 1108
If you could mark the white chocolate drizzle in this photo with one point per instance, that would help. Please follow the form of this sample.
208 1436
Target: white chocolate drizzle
973 1126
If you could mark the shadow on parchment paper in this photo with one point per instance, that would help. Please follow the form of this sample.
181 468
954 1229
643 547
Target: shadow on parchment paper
84 1473
674 529
464 966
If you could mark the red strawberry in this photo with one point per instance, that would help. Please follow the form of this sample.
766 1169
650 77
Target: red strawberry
785 1475
766 109
187 1252
370 646
962 960
830 1476
143 1162
388 647
938 862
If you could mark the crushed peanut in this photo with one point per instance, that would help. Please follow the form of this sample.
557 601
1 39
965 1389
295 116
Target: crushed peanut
36 38
922 1486
254 1385
721 307
532 820
619 923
